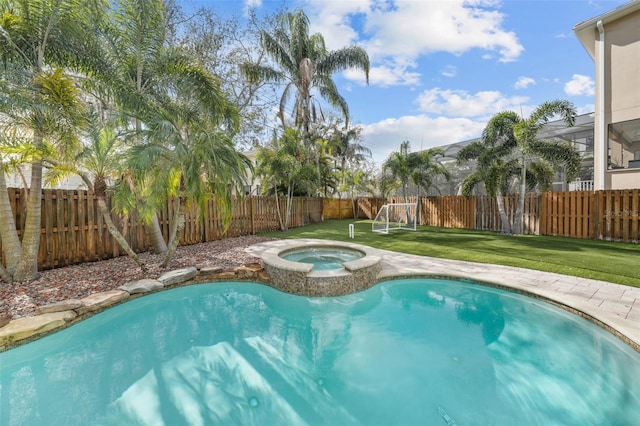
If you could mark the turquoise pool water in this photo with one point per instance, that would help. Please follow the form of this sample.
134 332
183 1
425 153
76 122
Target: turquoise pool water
405 352
323 259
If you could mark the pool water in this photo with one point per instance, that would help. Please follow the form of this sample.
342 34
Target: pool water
404 352
323 259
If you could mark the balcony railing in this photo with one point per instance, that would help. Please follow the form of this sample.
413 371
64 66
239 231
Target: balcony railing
581 185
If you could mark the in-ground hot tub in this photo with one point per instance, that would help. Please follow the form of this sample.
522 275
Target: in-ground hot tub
323 268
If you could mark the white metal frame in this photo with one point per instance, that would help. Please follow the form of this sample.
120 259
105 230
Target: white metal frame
395 220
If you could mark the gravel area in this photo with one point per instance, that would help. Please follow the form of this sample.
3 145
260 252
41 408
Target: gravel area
78 281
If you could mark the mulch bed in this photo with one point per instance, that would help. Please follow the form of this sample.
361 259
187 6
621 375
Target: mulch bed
78 281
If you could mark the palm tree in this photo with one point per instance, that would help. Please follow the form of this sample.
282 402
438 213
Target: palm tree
140 72
97 162
510 151
425 167
495 166
346 146
40 40
397 166
305 66
284 168
188 153
419 168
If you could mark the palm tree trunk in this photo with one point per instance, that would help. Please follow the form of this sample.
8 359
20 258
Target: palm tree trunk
155 233
319 184
506 226
5 276
8 232
177 226
278 210
287 219
517 221
353 206
28 266
115 233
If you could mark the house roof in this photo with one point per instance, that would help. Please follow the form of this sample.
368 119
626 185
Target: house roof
586 31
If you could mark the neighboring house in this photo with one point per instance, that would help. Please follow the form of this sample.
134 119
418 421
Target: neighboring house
253 185
17 179
613 42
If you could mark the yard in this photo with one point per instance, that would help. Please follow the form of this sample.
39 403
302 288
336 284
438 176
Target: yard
601 260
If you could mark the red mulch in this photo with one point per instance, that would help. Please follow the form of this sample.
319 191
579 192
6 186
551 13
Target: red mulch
78 281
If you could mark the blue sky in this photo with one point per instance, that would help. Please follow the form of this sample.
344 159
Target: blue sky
441 69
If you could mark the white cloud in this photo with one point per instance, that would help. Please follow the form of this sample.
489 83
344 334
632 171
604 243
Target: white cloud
580 85
449 71
411 28
399 31
524 82
460 103
422 131
585 109
251 4
385 75
332 20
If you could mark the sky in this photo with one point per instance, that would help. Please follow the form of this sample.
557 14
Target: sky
441 69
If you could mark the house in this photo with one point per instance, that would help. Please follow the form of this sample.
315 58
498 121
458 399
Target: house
20 177
613 42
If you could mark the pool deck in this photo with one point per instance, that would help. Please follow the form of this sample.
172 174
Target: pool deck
614 307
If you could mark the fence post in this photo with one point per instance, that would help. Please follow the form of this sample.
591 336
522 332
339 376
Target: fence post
595 215
252 215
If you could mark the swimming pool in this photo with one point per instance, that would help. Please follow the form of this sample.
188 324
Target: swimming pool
413 351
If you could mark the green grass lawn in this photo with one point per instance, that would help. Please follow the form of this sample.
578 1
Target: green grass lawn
600 260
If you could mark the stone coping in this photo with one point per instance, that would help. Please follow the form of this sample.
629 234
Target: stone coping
300 278
58 315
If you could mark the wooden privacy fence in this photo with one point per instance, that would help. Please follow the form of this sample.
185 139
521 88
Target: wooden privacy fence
73 230
612 215
343 208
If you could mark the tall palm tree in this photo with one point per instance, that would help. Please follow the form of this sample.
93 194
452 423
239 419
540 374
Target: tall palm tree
40 40
144 77
510 151
139 73
551 153
304 65
188 151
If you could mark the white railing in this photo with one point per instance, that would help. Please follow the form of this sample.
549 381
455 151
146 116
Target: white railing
581 185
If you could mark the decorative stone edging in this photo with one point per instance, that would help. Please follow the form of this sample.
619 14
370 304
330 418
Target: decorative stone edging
299 278
58 315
